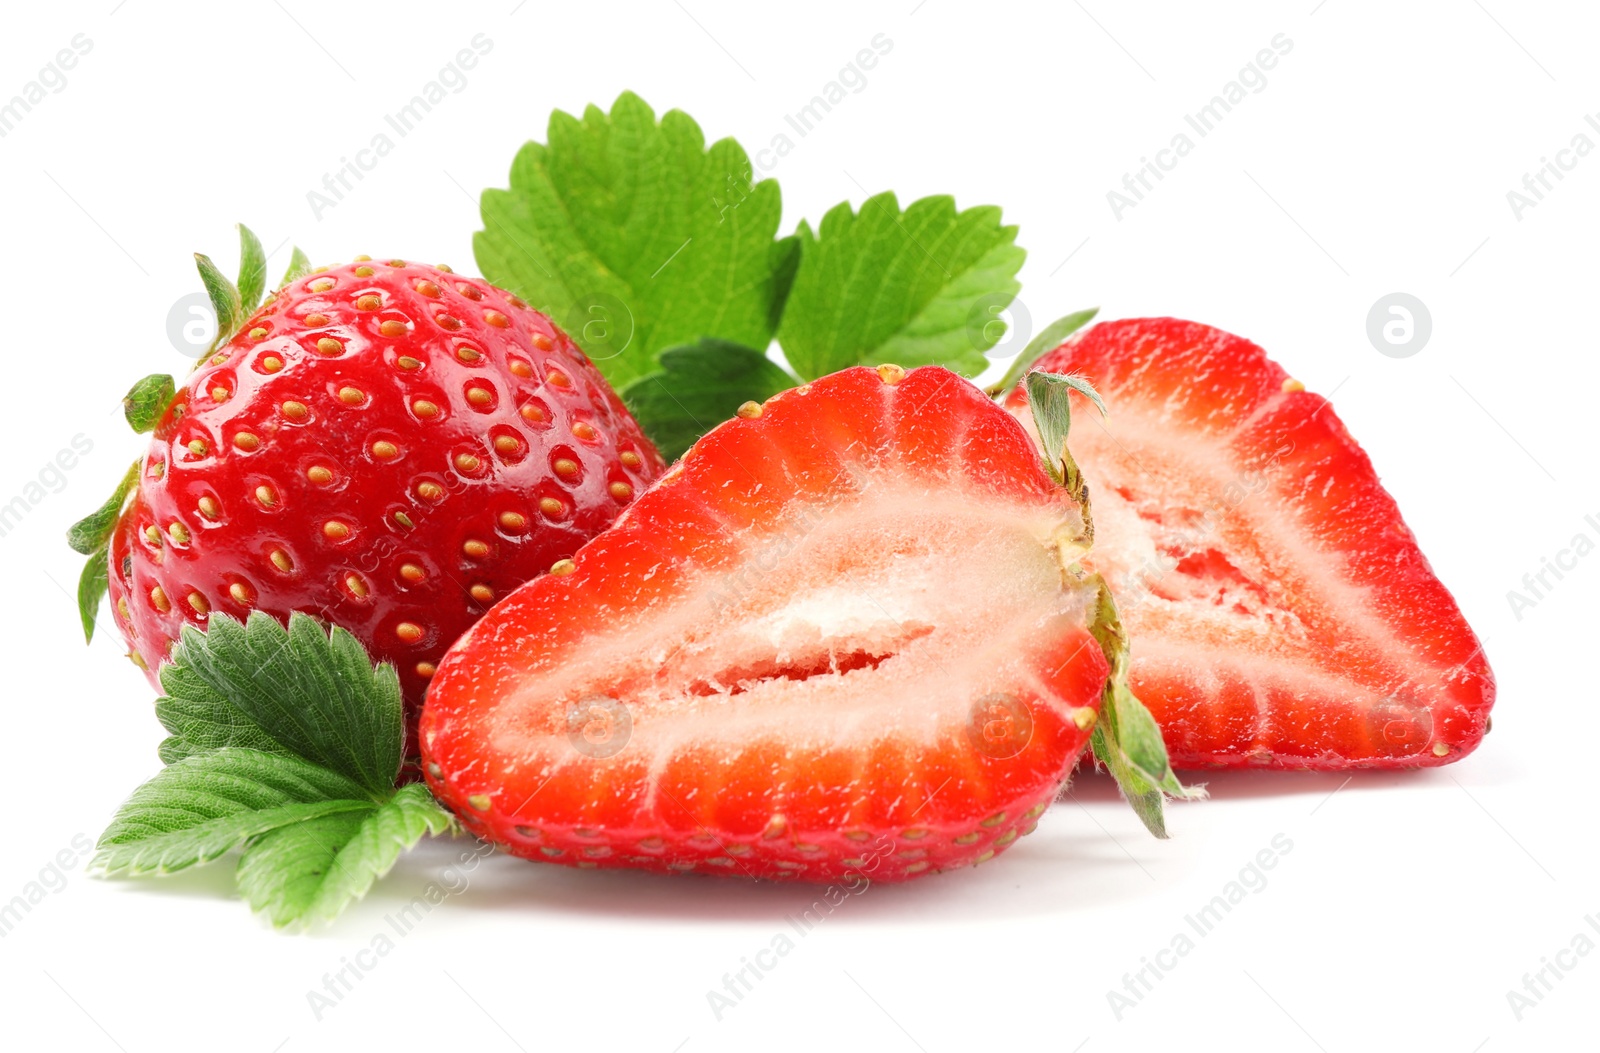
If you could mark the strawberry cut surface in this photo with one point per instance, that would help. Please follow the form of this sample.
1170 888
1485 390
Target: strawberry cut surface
1280 612
846 632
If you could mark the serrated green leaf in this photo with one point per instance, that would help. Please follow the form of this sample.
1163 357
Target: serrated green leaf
203 806
635 237
285 742
311 871
914 288
312 692
89 535
698 387
147 400
224 299
299 267
1049 338
92 585
201 719
252 272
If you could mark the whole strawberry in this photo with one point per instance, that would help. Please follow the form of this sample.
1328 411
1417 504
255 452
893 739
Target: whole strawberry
385 445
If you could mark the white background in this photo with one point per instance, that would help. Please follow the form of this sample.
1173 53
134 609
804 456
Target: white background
1377 159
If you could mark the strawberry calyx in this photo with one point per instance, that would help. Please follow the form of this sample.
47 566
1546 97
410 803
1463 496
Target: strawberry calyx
1126 738
1050 337
147 402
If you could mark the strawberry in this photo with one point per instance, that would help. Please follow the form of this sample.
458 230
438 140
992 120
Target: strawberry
387 445
1280 611
846 633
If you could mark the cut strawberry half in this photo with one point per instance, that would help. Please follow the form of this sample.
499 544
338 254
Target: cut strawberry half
846 632
1280 612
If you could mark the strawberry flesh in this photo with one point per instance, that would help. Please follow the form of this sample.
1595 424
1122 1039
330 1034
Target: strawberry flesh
1280 612
844 634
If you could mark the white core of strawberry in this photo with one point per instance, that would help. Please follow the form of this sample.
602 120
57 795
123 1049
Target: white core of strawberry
1192 544
887 614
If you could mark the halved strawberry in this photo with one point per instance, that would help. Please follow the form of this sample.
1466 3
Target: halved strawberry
1280 612
846 632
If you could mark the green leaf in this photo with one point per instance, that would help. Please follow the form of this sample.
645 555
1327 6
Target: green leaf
310 871
201 719
1126 738
92 586
89 535
285 742
1049 338
698 387
252 272
313 693
299 267
147 400
224 299
635 237
914 288
204 806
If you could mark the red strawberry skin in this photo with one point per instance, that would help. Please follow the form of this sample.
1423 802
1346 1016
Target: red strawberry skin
837 637
1280 612
386 445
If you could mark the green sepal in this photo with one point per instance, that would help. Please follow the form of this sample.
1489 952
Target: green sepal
89 535
299 267
147 400
252 271
1049 338
1126 738
1050 401
92 586
224 299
